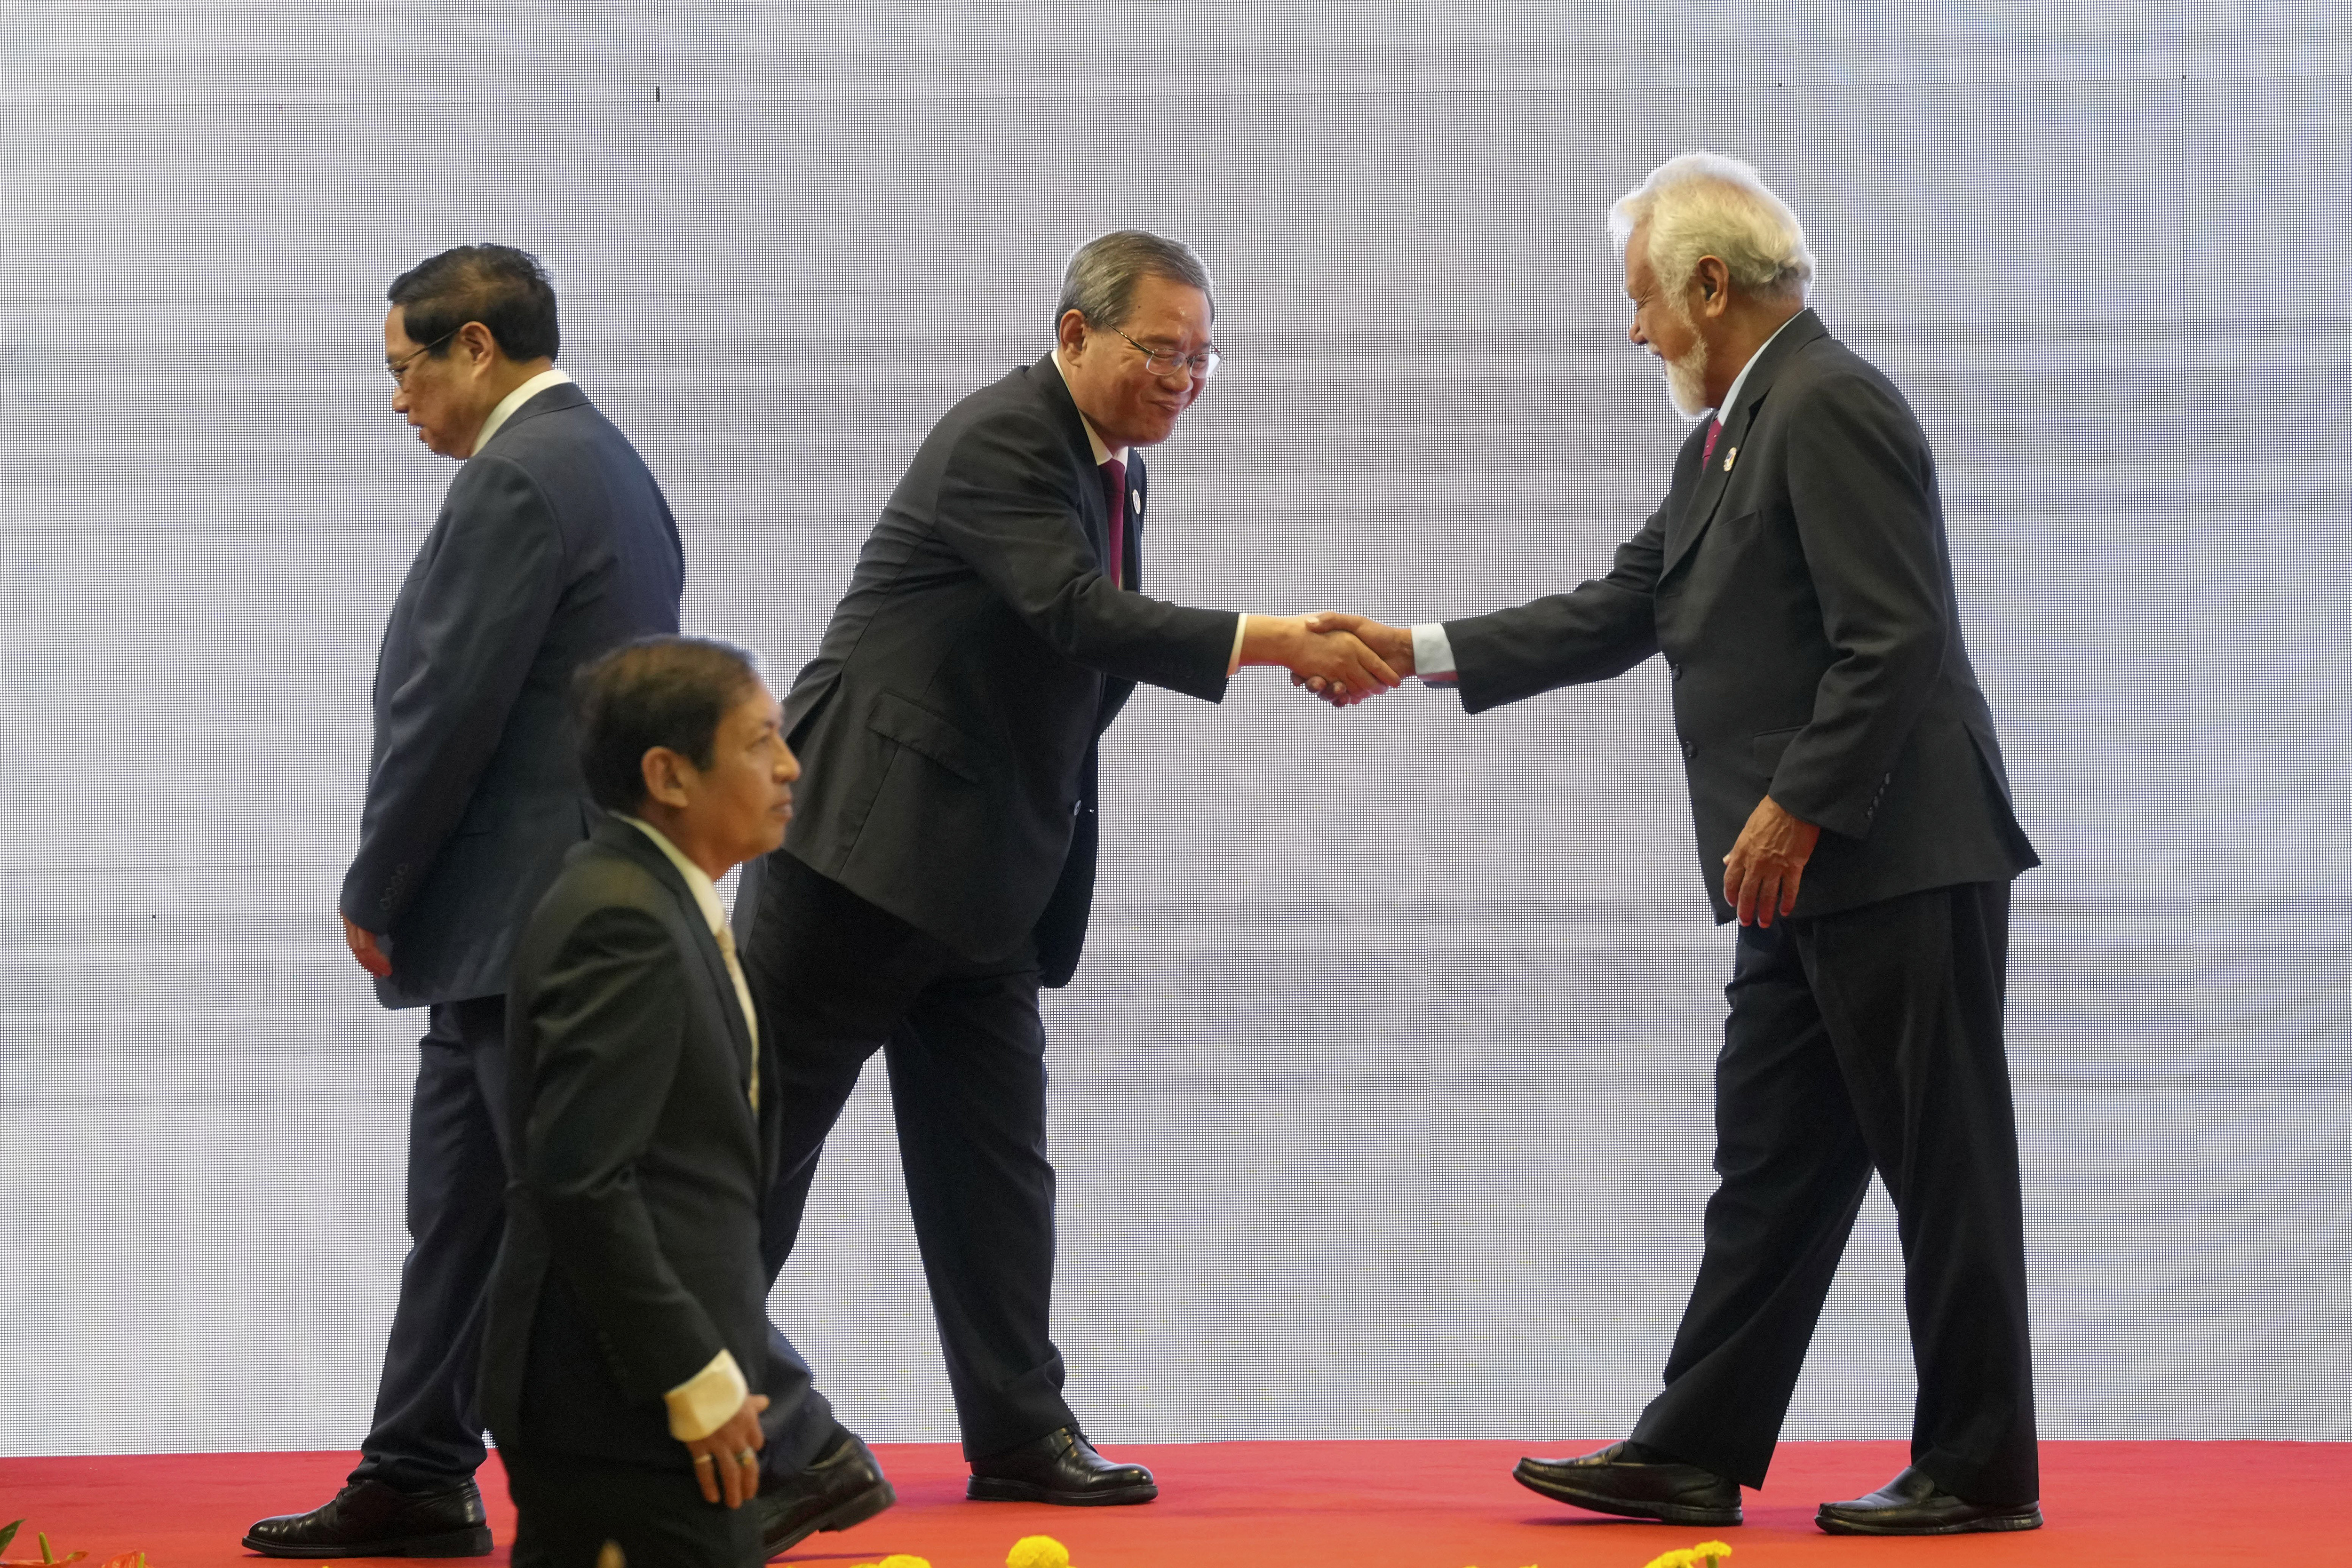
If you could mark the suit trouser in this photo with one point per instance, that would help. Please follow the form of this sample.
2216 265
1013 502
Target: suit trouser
568 1507
1866 1039
428 1433
836 979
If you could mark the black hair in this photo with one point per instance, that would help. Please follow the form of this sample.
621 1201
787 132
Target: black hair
668 691
504 288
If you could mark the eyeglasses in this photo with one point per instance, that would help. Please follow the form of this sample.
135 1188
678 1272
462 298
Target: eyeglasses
399 372
1166 361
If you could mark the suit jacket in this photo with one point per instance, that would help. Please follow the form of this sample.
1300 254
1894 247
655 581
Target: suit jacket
949 721
632 1250
1800 585
554 545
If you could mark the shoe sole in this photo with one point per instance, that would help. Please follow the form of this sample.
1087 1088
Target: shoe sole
471 1542
1623 1508
877 1498
991 1490
1835 1524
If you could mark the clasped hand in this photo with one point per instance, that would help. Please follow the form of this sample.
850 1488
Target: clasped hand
1392 647
1328 659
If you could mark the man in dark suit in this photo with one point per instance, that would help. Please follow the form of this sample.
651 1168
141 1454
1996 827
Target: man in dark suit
942 863
554 545
628 1309
1853 816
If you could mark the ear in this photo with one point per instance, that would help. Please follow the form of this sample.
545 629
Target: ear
1712 278
479 345
1070 334
664 772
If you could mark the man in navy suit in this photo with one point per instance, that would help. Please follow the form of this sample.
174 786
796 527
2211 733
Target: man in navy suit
1853 814
554 545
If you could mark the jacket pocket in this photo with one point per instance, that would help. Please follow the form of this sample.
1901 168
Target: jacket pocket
926 734
1768 746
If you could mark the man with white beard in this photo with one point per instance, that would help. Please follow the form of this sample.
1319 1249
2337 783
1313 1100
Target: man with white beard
1853 816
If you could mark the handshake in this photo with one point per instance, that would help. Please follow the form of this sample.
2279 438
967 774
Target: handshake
1341 658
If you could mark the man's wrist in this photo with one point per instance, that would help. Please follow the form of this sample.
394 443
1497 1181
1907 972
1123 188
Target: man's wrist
1433 654
707 1401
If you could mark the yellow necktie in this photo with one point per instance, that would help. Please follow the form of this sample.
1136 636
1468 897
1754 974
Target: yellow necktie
743 994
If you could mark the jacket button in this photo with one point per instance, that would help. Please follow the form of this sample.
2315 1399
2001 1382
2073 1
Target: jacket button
1690 749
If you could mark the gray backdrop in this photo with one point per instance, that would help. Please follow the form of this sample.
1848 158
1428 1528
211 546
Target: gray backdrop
1382 1102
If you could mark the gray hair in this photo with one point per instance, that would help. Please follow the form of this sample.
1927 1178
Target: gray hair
1704 204
1100 283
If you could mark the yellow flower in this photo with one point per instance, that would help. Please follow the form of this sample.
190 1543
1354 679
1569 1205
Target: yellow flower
1038 1552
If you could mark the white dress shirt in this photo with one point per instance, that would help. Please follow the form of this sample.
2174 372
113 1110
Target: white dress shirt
516 399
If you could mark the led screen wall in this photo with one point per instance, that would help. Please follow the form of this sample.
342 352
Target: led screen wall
1382 1102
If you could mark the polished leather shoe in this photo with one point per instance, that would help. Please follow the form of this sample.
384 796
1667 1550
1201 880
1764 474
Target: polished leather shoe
1061 1466
1912 1504
844 1486
1627 1479
368 1519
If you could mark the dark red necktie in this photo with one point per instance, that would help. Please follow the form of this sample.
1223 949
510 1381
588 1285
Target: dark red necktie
1714 428
1114 479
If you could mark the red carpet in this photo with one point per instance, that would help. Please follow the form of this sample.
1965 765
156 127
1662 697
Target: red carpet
1332 1505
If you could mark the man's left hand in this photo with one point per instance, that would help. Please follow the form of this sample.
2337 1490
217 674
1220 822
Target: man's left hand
1762 873
365 948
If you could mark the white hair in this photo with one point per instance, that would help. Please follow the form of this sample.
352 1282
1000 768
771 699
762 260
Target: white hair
1704 204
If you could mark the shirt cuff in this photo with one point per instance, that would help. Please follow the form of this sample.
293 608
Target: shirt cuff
704 1402
1241 626
1432 655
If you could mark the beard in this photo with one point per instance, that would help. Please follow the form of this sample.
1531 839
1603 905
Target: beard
1686 380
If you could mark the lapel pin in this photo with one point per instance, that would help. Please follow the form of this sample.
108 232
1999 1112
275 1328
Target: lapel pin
1728 457
1134 500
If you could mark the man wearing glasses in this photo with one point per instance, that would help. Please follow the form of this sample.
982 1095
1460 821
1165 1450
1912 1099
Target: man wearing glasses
554 545
941 862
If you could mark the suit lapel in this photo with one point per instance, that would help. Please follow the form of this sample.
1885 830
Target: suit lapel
1714 475
631 842
1094 513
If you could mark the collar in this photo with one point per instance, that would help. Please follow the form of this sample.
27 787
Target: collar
1103 453
505 410
697 880
1731 395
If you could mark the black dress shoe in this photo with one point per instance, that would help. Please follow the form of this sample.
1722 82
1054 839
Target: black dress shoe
1061 1466
1625 1479
368 1519
1912 1504
844 1486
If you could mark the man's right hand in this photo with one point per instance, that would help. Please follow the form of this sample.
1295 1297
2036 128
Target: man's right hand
365 948
727 1462
1338 666
1392 646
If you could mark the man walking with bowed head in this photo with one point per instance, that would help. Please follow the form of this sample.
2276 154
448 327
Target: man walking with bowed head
1853 817
554 545
942 862
629 1307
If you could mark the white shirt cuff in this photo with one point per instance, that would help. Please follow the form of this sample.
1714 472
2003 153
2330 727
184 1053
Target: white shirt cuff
704 1402
1240 627
1432 655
